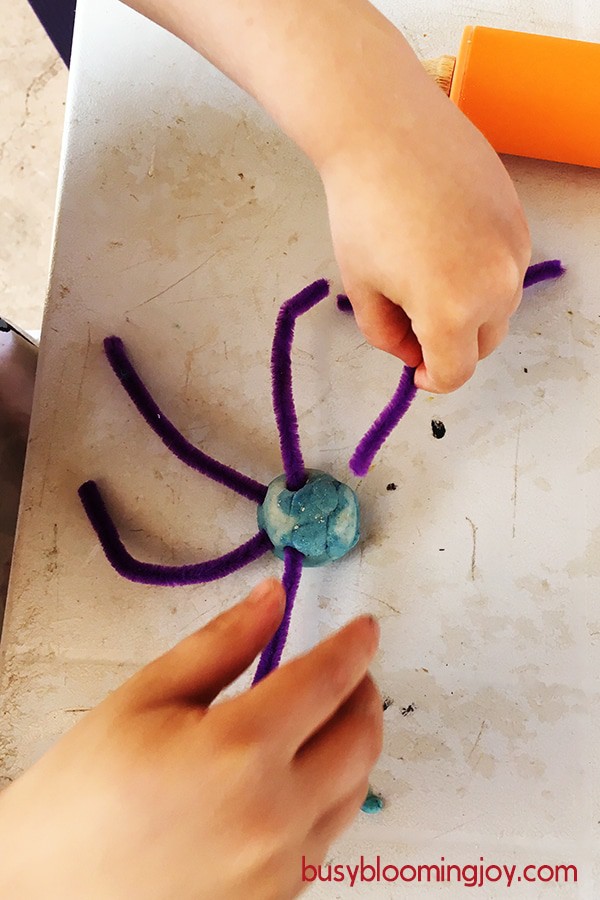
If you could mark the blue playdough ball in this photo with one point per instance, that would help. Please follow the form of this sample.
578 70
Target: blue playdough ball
373 803
321 519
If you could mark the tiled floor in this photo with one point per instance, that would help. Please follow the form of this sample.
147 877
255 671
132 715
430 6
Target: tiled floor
33 82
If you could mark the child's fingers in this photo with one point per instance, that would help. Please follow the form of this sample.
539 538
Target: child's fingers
288 706
201 665
516 301
491 336
348 744
492 333
449 359
387 327
337 819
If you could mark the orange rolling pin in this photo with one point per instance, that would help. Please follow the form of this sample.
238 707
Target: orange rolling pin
530 95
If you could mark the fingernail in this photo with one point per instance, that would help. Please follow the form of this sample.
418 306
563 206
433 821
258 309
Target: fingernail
264 589
375 626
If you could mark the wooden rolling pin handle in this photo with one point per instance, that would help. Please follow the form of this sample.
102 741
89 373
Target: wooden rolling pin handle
441 70
530 95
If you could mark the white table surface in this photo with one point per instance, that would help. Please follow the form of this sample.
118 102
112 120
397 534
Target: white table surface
184 220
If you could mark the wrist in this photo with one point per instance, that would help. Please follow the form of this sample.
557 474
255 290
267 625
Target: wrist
376 105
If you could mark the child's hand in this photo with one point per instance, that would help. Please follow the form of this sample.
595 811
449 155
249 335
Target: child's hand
158 794
430 237
428 230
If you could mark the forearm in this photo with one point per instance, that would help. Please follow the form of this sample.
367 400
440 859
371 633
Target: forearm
428 232
328 71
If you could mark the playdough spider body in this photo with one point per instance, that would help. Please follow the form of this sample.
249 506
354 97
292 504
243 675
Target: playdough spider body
321 519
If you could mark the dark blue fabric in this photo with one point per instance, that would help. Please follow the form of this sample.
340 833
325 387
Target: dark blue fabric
57 17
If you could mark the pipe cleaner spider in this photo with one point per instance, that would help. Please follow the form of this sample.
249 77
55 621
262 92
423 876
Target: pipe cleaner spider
306 516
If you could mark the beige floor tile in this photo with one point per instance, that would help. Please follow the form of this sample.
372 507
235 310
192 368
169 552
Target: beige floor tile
33 83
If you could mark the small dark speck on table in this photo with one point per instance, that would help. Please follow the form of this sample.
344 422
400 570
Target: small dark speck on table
387 702
391 486
407 710
525 369
438 429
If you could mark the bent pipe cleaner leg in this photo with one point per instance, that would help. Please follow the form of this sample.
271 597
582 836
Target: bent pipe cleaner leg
160 575
543 271
271 655
406 391
384 424
172 438
281 379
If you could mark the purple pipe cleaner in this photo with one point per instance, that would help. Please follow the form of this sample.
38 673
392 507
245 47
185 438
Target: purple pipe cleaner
543 271
406 391
343 304
169 435
385 423
271 655
281 372
152 573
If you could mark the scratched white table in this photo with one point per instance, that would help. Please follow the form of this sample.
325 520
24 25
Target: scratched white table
184 220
